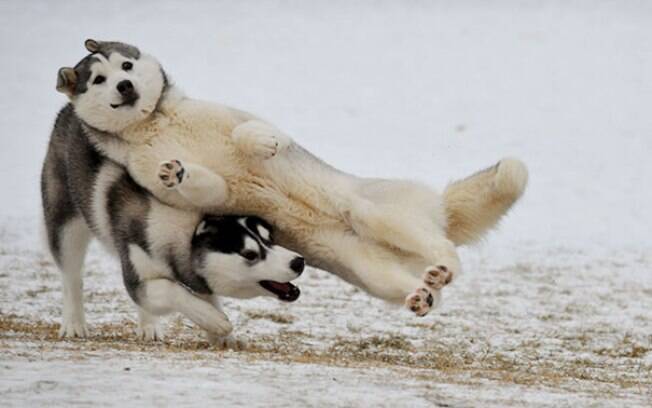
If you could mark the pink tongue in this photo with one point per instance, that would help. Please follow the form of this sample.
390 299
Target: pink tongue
284 291
281 287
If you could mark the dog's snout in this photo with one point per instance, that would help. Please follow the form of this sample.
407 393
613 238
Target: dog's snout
125 87
298 264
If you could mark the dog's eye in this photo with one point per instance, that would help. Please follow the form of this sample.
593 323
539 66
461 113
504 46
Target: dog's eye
99 79
127 65
250 255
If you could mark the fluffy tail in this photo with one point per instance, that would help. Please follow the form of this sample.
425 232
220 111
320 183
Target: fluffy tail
475 204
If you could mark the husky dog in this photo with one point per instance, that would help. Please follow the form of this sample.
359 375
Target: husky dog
172 260
395 239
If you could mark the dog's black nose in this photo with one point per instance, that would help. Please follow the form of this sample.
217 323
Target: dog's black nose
298 264
125 87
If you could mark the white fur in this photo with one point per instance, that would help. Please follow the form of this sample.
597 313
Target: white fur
160 295
74 240
148 267
201 187
250 244
231 275
263 232
149 328
94 105
163 296
169 229
259 139
225 342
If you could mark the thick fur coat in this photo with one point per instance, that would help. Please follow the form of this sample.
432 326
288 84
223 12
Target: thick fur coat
396 239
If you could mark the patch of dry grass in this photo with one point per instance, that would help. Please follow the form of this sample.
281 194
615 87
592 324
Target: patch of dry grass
625 348
274 317
621 367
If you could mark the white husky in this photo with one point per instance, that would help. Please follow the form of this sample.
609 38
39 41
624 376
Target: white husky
396 239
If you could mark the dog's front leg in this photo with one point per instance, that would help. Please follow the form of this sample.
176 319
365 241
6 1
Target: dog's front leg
197 184
224 342
259 139
149 328
163 296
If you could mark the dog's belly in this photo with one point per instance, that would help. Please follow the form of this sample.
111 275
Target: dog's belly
293 190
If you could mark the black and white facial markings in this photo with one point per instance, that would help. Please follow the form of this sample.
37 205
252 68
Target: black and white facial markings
240 250
114 87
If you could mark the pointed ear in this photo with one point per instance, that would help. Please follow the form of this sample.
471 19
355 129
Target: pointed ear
205 227
66 81
92 45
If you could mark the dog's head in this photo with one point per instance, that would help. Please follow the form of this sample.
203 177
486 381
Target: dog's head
238 258
113 87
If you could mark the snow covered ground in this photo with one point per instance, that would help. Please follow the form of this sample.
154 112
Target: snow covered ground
553 310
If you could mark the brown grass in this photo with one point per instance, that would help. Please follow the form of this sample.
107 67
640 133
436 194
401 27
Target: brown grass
274 317
622 367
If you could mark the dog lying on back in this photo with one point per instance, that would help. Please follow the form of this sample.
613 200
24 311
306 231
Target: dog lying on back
172 260
396 239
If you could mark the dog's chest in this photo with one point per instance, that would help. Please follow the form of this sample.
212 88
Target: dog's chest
280 190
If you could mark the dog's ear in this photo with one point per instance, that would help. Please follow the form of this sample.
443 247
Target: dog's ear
206 227
92 45
66 81
260 227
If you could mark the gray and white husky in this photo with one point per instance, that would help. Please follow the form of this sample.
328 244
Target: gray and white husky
396 239
172 260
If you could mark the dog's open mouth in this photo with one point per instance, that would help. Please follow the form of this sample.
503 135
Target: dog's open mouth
127 101
286 292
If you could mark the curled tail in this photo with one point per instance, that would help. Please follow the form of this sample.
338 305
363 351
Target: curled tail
475 204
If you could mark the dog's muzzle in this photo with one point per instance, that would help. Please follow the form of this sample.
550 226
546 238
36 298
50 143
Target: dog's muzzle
128 93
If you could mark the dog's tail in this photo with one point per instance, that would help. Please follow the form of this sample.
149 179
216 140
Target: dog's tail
475 204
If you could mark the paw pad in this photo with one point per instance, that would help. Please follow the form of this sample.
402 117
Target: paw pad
420 302
436 277
171 173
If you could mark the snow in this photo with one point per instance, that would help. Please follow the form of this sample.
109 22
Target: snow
553 310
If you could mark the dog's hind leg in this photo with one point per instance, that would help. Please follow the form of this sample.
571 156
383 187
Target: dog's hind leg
380 271
73 238
68 236
404 215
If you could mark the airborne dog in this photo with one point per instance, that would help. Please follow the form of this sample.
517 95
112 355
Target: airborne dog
396 239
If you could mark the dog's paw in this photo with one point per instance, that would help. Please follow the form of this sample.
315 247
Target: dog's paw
436 277
69 330
267 146
171 173
150 332
260 139
420 301
263 145
227 342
